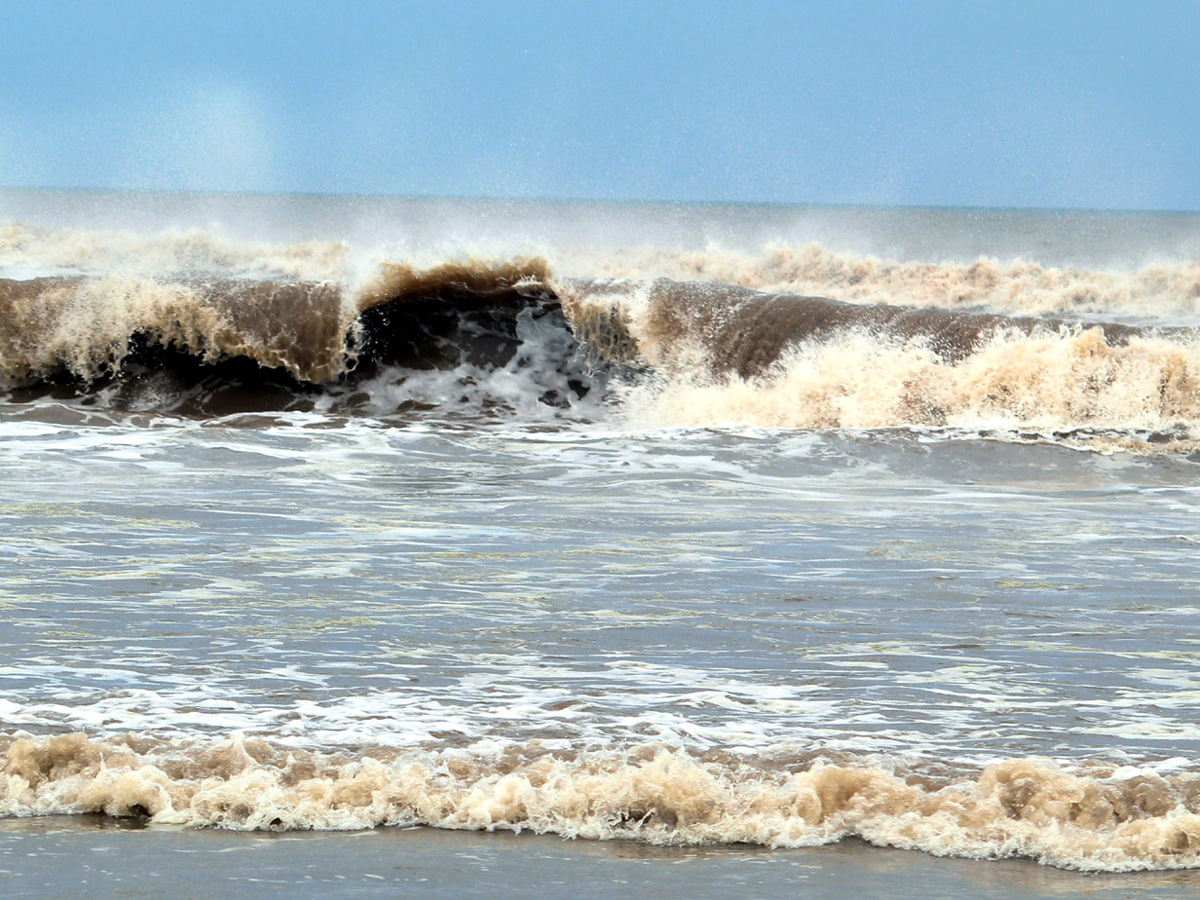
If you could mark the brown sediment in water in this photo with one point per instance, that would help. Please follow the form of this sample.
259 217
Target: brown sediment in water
1094 819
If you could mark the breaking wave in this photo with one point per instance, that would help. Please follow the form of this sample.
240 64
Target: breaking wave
191 324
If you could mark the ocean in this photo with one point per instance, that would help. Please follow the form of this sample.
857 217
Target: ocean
483 548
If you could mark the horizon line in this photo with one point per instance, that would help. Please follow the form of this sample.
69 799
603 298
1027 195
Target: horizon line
612 201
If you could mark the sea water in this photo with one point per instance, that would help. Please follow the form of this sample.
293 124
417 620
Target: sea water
716 531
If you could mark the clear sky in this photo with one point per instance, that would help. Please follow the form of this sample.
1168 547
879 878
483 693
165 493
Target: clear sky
1068 104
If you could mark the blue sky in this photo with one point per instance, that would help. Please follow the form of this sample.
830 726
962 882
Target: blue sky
977 103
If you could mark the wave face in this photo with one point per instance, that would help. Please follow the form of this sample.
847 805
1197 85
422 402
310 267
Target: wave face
194 325
1103 820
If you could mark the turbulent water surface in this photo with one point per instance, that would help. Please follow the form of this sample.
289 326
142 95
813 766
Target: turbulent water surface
693 526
